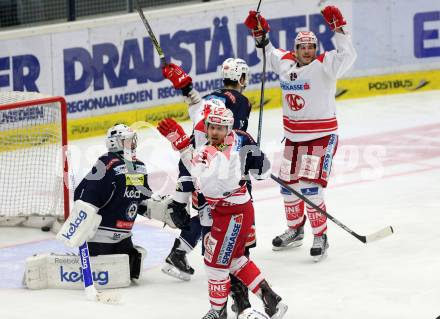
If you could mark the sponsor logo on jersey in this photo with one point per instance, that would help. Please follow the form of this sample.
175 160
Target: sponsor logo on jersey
209 244
73 226
131 212
141 169
120 169
134 179
230 240
295 102
309 191
101 277
133 193
327 164
214 97
299 85
122 224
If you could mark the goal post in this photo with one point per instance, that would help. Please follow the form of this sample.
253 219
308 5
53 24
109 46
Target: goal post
34 188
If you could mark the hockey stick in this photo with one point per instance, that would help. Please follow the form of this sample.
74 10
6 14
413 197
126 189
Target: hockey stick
387 231
90 290
151 34
263 80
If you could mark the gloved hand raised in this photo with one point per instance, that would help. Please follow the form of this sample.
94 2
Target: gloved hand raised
257 24
174 133
333 17
176 75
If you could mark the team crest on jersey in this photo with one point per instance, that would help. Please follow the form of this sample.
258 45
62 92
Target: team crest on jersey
295 102
131 211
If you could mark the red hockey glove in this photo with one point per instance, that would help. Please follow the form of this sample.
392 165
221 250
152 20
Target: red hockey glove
174 133
257 23
333 17
176 75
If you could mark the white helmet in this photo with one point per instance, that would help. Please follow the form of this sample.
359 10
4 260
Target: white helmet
116 136
211 104
305 37
220 115
233 69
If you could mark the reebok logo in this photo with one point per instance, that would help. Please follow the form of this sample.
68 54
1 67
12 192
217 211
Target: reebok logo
74 276
75 224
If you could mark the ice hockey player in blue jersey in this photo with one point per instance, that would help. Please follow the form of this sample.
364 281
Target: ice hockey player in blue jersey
113 193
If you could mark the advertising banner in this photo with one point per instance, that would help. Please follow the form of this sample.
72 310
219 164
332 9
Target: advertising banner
109 66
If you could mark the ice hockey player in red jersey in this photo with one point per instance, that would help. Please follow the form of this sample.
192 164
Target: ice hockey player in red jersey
218 168
308 84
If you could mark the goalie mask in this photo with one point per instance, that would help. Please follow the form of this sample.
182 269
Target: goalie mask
233 69
121 138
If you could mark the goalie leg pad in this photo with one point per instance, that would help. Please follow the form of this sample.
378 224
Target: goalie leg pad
64 271
81 225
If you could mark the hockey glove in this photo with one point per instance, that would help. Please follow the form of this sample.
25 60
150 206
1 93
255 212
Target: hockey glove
174 133
176 75
179 215
333 17
259 27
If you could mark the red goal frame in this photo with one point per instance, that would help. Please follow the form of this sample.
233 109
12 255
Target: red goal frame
63 106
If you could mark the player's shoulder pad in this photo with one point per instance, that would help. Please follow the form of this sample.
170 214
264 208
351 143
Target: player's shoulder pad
320 57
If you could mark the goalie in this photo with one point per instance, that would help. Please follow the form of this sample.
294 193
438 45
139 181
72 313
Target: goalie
106 203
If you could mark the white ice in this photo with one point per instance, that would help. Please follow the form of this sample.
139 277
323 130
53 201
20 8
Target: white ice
386 172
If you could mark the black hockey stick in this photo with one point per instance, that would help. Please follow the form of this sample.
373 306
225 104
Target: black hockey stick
263 80
151 34
387 231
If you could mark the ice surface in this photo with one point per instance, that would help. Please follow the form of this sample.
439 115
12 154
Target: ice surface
386 172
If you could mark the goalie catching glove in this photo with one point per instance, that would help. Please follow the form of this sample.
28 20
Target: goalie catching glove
81 225
165 209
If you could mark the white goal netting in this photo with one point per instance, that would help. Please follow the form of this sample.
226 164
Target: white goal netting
32 159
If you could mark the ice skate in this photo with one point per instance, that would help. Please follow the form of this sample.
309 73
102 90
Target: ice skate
319 248
216 314
240 295
273 306
291 238
176 264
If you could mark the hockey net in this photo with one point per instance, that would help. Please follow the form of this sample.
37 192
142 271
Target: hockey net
33 165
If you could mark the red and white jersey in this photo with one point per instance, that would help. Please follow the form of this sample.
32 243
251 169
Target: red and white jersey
309 106
218 173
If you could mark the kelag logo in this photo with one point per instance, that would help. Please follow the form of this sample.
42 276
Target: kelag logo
74 276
